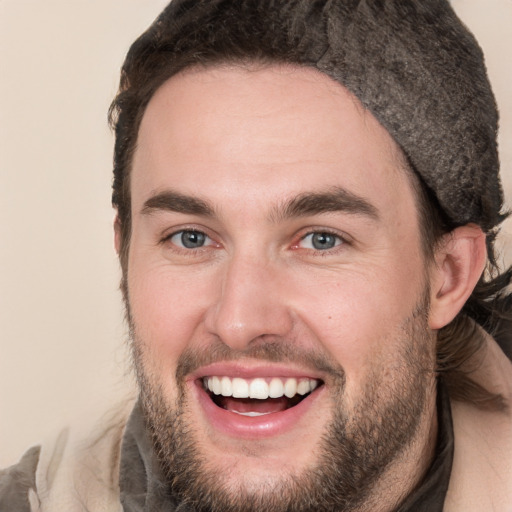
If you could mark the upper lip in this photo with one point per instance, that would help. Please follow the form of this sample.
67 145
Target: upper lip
253 371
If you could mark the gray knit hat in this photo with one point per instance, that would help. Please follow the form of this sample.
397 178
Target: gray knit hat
422 75
412 63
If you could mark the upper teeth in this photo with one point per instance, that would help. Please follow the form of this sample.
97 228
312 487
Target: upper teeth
259 388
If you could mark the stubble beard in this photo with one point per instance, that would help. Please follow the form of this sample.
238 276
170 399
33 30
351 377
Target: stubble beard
353 453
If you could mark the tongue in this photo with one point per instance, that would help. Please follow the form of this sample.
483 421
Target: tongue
253 405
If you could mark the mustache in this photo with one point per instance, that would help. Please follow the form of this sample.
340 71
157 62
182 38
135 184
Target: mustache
268 350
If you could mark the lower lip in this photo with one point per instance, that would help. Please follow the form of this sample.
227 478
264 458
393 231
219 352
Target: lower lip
255 427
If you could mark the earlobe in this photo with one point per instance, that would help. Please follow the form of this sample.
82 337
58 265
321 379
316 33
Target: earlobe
117 233
460 261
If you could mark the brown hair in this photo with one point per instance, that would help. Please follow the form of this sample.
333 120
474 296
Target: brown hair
192 33
462 339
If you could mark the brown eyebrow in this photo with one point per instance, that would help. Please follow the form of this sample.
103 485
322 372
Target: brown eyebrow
309 203
176 202
334 200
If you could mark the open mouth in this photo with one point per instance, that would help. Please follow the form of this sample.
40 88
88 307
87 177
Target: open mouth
259 396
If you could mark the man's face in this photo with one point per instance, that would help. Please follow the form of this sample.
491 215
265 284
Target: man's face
277 290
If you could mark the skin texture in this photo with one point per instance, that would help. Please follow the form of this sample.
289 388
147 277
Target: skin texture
237 151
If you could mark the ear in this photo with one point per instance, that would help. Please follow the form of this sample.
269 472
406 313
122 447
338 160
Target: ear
460 261
117 233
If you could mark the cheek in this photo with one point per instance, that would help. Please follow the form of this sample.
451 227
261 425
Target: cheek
167 308
359 316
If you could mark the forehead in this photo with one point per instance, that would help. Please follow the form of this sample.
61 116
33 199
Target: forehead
264 133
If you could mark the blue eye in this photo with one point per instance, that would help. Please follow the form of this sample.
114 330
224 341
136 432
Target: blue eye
320 241
190 239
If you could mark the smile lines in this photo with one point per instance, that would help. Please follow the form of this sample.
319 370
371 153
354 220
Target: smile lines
259 388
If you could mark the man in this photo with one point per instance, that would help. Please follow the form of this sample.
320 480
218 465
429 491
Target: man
307 196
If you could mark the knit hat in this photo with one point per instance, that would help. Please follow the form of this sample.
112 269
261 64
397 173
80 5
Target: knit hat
422 75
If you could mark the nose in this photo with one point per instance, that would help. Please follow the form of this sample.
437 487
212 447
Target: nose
250 304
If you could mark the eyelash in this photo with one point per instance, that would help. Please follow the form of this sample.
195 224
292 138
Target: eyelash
341 240
184 250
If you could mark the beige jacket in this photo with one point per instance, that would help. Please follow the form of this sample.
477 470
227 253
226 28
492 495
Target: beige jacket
80 473
481 479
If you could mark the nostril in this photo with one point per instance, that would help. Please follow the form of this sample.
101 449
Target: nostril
249 306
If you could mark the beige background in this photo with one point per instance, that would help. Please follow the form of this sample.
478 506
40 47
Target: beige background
62 334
